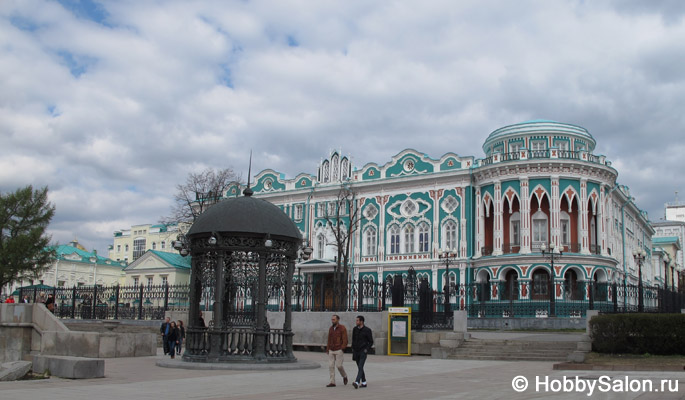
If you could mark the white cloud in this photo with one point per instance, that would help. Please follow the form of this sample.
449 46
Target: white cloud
113 115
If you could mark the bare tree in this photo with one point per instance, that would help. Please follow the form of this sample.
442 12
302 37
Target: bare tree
200 191
342 217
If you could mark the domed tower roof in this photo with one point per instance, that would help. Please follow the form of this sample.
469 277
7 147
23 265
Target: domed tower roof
245 215
539 127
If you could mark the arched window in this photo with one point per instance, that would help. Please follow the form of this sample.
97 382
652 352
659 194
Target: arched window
394 239
515 229
539 228
335 168
409 239
344 168
370 241
450 234
423 237
325 171
565 225
320 245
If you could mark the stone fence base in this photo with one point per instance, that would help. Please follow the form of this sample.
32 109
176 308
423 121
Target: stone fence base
526 323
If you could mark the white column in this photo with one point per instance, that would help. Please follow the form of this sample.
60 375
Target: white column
555 214
525 215
463 249
584 240
480 225
498 221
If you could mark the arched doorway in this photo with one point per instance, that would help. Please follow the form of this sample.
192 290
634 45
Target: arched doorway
541 285
571 289
510 288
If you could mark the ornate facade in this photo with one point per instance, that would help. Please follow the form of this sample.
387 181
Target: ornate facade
539 184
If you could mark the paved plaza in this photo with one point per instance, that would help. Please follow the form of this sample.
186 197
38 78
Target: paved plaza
389 378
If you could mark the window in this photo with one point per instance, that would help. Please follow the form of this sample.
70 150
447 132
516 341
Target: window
565 221
61 283
297 215
450 204
118 248
370 212
138 248
344 167
515 147
135 281
165 280
409 208
325 169
162 245
370 241
331 208
126 248
515 229
562 145
450 235
154 245
320 245
423 237
409 239
149 282
322 209
394 240
537 145
540 227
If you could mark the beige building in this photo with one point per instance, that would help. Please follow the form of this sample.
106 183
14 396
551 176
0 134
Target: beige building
131 244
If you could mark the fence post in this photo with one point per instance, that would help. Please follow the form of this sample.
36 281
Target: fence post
94 301
614 290
383 295
140 303
166 296
360 294
73 303
116 299
592 295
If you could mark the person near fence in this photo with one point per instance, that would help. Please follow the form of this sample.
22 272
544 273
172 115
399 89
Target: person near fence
164 330
172 338
41 298
9 300
337 343
181 336
50 303
26 299
362 341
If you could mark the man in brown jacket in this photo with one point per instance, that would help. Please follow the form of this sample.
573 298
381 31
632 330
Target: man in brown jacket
337 342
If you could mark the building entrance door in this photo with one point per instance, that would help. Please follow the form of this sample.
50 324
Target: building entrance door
323 292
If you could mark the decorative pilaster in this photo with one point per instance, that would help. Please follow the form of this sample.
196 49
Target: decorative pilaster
555 214
480 226
584 239
498 221
525 215
463 244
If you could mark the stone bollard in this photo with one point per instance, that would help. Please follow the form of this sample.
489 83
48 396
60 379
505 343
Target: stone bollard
588 316
460 321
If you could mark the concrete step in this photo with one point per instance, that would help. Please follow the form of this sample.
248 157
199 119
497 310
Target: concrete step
505 358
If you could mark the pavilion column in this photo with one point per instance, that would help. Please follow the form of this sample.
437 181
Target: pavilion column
219 288
259 344
287 324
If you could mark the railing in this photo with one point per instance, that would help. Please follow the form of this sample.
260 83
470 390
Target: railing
511 299
486 250
538 153
572 248
546 153
511 248
595 249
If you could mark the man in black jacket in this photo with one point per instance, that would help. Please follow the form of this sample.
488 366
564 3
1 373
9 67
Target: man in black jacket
164 330
362 341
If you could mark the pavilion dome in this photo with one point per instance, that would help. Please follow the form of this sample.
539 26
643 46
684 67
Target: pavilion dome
246 215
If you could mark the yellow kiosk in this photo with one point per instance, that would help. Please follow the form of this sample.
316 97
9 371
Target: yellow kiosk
399 331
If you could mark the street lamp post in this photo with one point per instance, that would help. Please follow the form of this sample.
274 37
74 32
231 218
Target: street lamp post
447 255
639 256
302 255
551 254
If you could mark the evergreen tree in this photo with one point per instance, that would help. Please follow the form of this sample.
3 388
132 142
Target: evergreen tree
24 218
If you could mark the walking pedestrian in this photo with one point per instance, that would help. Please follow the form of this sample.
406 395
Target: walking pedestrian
362 341
172 339
337 343
164 330
50 303
181 336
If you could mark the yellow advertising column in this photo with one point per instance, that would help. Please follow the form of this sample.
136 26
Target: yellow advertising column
399 331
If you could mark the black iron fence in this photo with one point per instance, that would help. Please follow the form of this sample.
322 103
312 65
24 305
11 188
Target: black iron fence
431 309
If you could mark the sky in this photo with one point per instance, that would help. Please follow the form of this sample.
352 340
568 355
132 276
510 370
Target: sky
112 104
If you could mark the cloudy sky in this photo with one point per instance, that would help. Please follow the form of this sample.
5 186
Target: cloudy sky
111 104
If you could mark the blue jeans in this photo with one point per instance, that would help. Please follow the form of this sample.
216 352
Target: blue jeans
179 346
361 360
172 350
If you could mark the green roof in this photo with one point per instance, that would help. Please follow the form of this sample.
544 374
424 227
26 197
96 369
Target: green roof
173 259
63 250
665 239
